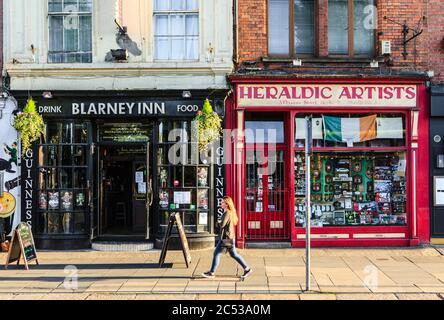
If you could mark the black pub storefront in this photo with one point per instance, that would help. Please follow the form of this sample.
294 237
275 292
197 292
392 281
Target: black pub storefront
112 166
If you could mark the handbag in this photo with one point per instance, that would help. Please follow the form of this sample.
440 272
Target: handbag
226 242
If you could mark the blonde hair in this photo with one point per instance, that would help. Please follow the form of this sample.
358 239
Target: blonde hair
231 210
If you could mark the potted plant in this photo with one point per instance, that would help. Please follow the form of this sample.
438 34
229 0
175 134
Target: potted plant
29 124
209 126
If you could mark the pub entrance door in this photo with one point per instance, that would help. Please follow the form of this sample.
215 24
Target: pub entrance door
267 195
125 184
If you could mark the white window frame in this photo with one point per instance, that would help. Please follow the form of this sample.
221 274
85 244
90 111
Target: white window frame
170 37
63 52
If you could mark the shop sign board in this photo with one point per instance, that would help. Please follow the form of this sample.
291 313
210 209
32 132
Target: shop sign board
126 107
328 95
22 243
175 219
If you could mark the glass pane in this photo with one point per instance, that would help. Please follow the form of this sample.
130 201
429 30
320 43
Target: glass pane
52 179
54 133
162 49
53 200
192 25
177 48
202 199
364 20
55 5
81 133
192 4
71 33
202 177
66 178
66 200
338 26
189 221
67 133
55 33
67 155
264 132
190 177
178 5
176 179
161 5
304 26
52 155
192 49
85 5
79 155
161 22
278 27
54 222
177 25
85 33
80 201
70 6
80 178
79 223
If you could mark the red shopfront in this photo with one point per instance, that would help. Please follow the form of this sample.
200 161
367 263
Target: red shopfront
369 165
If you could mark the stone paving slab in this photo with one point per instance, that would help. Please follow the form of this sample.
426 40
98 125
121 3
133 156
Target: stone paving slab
340 272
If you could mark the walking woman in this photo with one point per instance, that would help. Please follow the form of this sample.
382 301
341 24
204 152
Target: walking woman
227 240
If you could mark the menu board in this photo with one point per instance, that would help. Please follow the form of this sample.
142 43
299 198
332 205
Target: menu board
175 219
22 243
124 132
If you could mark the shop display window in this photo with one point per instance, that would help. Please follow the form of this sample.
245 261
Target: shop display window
355 185
62 179
183 187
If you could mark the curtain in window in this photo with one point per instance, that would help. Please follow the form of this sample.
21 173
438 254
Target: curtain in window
338 26
304 26
364 21
278 27
176 31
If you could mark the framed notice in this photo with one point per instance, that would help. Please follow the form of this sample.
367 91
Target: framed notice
182 197
438 191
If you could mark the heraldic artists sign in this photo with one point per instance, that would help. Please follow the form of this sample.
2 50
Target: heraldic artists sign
304 95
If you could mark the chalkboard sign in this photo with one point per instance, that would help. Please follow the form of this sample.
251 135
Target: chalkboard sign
175 218
22 243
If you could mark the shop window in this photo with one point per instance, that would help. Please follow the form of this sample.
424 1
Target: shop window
183 186
353 189
176 29
358 170
70 31
264 128
353 130
291 25
350 32
62 179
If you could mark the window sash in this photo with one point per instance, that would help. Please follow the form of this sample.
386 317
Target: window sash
176 30
70 37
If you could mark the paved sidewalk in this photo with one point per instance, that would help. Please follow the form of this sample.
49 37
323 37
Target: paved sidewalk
408 273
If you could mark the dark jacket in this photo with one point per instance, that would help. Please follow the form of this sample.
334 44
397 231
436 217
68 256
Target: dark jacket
228 226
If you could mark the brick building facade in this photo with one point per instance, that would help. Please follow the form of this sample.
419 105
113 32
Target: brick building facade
324 59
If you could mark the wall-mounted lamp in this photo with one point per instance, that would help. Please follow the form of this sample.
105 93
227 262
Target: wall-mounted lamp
440 161
47 95
186 94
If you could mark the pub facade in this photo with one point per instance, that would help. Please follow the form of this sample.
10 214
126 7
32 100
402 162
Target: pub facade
113 168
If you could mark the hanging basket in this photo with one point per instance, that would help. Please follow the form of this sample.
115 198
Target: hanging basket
29 124
209 126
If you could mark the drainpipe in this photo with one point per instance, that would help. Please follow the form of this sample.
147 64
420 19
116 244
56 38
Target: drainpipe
235 32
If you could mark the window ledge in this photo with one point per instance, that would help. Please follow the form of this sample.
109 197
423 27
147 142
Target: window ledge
321 60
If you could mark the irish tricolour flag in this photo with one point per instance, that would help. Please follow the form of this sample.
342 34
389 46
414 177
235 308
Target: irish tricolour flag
349 130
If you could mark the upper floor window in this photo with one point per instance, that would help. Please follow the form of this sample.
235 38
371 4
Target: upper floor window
176 25
70 31
350 27
291 27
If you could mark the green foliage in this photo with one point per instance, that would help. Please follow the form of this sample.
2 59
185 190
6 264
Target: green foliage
209 126
29 124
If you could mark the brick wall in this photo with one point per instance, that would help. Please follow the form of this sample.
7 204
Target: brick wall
253 42
436 39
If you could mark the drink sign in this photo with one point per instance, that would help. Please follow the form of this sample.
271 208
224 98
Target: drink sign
22 243
175 218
